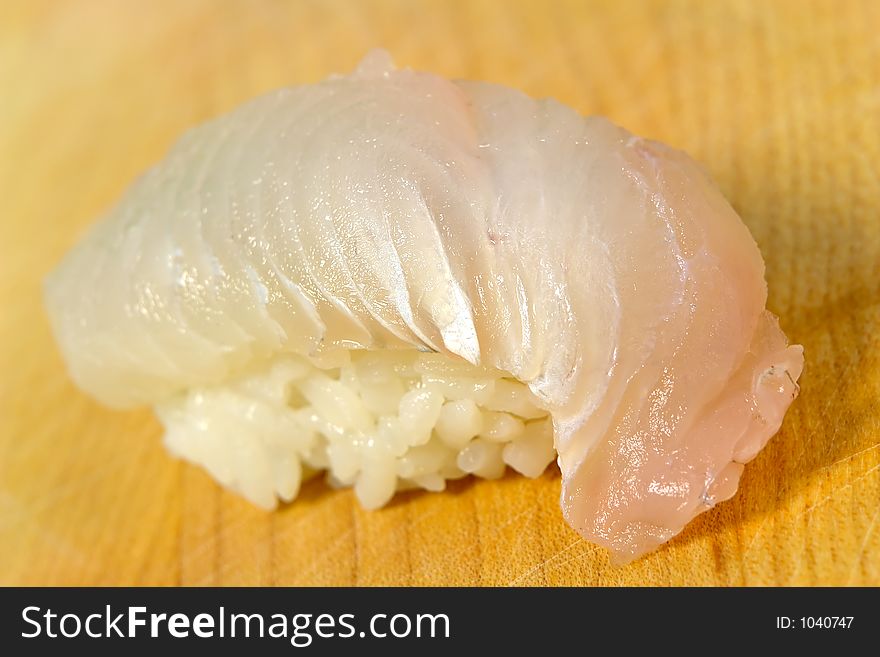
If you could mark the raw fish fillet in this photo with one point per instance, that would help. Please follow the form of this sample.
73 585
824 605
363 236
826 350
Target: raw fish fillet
396 211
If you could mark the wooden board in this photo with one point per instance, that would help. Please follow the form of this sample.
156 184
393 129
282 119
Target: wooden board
780 100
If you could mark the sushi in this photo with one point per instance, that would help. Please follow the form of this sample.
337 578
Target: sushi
401 280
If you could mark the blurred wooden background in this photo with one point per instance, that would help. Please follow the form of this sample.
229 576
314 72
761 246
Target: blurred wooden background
780 100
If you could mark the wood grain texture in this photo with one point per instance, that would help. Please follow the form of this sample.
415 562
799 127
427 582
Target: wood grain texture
780 100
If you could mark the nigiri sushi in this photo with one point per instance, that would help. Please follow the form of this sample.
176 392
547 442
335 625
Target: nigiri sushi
401 280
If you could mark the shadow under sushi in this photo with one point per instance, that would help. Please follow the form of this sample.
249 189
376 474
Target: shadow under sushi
317 487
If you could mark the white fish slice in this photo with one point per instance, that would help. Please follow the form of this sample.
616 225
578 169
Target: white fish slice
330 242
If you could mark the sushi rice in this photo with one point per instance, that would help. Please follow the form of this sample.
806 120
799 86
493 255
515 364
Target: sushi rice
382 421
